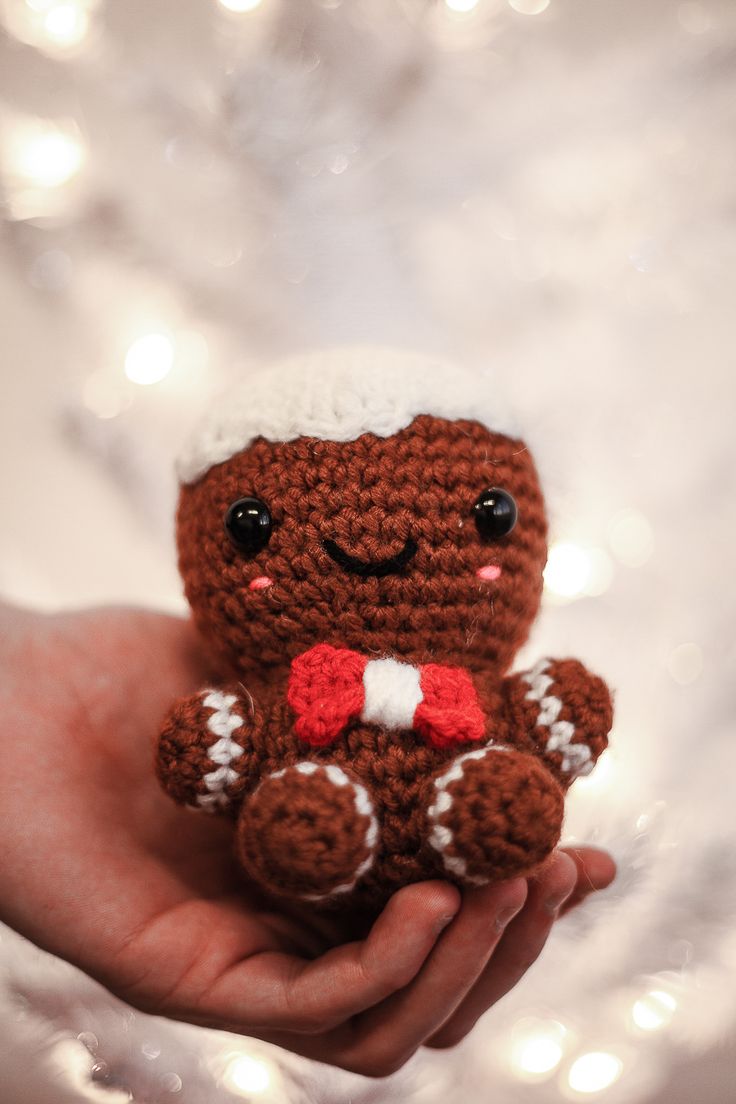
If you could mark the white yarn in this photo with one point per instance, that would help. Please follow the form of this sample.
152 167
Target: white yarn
363 806
392 693
441 837
576 758
337 395
222 723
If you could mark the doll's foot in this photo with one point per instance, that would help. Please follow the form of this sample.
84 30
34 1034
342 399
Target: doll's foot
494 813
308 831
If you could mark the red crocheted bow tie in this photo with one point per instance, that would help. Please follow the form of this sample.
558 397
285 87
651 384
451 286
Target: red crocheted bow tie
329 687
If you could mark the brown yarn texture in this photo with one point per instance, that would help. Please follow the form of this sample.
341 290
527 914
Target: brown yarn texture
506 815
301 835
322 817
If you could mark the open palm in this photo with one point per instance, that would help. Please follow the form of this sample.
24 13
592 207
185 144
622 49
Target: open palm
101 868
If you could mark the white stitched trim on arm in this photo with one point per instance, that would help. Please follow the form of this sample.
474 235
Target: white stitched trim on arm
222 723
576 758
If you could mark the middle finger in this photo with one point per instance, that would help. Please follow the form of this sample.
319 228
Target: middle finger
519 948
386 1036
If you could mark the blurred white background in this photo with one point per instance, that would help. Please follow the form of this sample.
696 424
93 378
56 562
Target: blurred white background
541 188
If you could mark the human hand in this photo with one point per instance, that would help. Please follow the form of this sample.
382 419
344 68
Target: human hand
100 868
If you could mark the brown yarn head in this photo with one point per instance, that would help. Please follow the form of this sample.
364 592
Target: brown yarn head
409 496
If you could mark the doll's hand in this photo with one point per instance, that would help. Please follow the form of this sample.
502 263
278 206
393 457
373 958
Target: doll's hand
101 868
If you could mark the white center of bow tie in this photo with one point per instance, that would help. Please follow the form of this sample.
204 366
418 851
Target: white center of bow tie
392 693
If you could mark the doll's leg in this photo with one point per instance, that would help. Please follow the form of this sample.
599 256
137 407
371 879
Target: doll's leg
493 813
308 831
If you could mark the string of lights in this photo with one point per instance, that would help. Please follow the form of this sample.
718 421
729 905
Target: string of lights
538 187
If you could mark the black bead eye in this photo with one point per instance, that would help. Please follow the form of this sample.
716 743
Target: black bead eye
248 524
495 514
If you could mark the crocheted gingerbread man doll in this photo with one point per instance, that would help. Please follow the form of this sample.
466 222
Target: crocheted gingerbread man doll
362 539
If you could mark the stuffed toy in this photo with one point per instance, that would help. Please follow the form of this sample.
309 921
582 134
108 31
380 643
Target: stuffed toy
362 537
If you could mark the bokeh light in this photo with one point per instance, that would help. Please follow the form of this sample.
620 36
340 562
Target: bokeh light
240 6
270 161
461 5
149 359
537 1048
59 28
246 1075
45 155
67 24
594 1072
529 7
540 1056
654 1010
568 570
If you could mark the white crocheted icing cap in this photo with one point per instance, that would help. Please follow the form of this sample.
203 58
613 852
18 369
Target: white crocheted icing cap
337 395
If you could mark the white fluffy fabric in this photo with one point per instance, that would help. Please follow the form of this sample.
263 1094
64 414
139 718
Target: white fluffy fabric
337 395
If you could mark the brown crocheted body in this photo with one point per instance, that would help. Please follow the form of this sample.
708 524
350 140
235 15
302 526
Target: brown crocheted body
303 810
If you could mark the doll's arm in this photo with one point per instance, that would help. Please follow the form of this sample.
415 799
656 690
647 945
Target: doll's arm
208 749
564 710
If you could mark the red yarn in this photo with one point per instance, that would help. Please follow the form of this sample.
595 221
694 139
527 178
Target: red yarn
450 713
326 692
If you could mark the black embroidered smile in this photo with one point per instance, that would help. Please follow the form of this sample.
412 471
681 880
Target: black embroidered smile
375 568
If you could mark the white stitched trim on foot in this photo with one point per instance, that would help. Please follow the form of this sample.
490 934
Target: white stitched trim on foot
222 723
576 758
364 806
441 837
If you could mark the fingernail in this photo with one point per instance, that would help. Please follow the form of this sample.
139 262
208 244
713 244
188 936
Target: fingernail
442 922
556 900
505 916
557 895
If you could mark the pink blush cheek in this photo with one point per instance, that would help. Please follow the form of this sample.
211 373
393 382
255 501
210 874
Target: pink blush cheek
489 573
261 583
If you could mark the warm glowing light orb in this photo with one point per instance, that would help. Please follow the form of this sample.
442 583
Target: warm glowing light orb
537 1048
247 1075
538 1055
529 7
594 1072
568 571
654 1011
241 5
48 157
149 359
56 27
461 5
66 24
